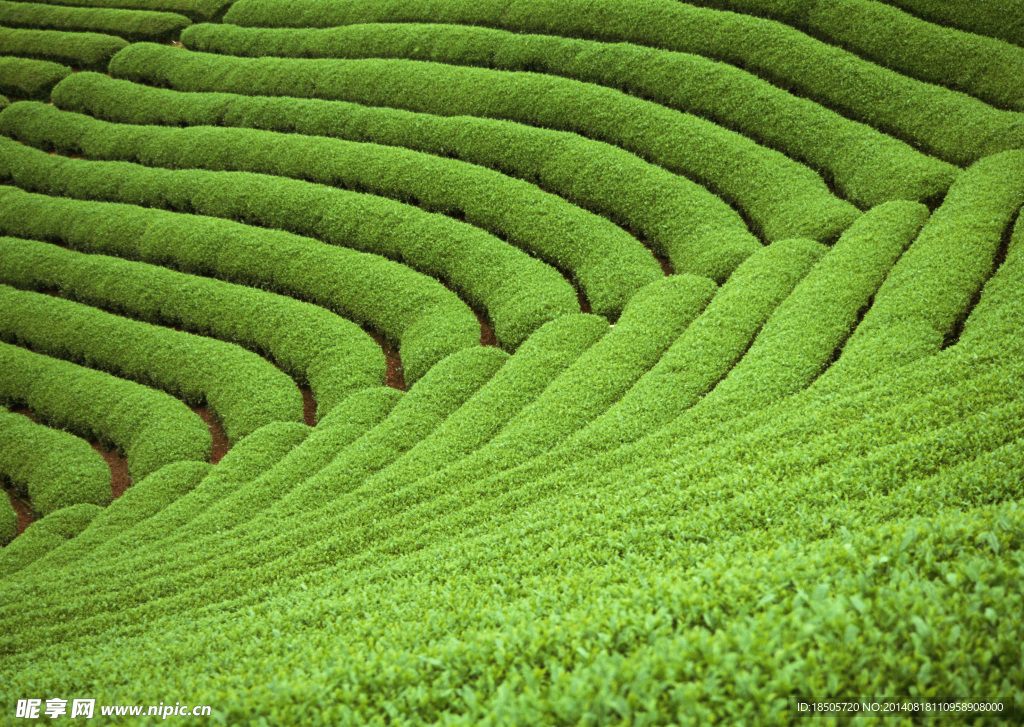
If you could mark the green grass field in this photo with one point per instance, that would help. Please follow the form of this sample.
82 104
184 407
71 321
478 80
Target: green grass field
511 362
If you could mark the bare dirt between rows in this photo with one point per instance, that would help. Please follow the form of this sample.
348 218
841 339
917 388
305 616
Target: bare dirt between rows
119 479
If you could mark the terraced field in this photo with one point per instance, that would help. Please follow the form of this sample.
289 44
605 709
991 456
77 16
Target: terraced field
512 361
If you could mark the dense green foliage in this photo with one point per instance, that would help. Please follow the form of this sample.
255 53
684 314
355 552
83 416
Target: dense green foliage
790 471
1002 19
244 391
867 166
333 355
912 110
519 293
782 197
150 427
982 67
82 50
698 232
27 78
52 468
410 309
195 9
43 536
606 262
128 24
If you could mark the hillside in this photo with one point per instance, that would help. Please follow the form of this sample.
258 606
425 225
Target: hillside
512 361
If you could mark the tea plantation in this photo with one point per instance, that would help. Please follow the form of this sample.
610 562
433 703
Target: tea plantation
512 362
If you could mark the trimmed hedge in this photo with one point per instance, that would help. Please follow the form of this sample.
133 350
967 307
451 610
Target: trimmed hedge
29 79
243 390
139 502
999 314
914 111
194 9
306 480
982 67
781 197
706 351
696 230
82 50
518 293
809 327
410 309
1003 19
930 290
53 468
333 355
545 356
43 536
866 166
604 260
149 426
133 25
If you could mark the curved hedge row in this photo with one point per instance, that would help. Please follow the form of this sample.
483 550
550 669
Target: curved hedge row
696 230
999 314
929 292
195 9
333 355
410 309
654 319
461 508
706 351
1003 19
139 502
44 536
308 480
604 260
259 454
82 50
244 391
149 426
802 335
518 293
866 166
914 111
132 25
53 468
783 198
518 383
27 78
982 67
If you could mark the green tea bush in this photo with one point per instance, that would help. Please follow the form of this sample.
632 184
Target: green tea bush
796 480
82 50
133 25
517 292
54 469
42 536
995 18
782 198
696 230
410 309
195 9
866 166
605 261
307 342
930 290
706 351
913 111
242 389
982 67
27 78
152 428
